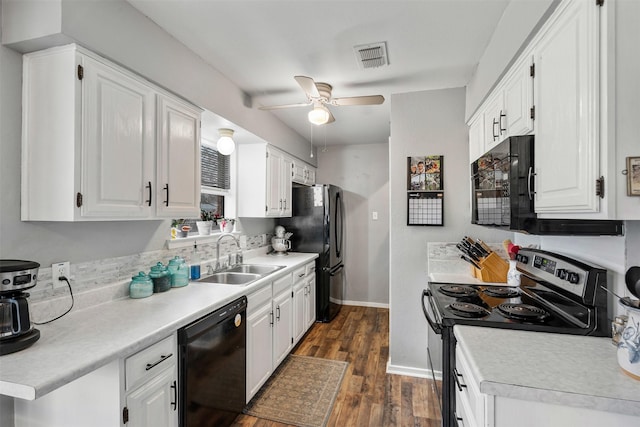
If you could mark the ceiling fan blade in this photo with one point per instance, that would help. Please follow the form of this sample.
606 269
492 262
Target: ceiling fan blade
331 118
277 107
358 100
308 85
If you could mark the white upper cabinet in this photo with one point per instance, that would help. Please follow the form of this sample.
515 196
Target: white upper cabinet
567 110
517 114
303 173
264 181
476 138
178 182
494 120
506 112
117 143
93 147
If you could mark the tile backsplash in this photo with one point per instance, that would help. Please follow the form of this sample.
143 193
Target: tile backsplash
99 281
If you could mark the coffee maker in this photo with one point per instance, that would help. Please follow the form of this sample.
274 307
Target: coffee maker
16 331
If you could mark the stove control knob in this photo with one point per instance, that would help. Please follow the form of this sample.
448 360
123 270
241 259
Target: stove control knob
573 278
562 274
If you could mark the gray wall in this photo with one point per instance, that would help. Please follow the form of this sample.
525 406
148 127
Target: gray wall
362 171
424 123
120 32
519 21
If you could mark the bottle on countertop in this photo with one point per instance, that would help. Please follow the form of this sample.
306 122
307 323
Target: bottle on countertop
195 263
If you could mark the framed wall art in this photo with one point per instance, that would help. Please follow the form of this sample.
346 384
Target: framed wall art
633 176
424 173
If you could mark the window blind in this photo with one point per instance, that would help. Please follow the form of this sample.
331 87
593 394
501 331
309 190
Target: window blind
215 169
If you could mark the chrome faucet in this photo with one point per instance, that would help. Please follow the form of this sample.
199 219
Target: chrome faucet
238 253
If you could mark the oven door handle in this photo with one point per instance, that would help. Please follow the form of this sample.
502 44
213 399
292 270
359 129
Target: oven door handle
436 328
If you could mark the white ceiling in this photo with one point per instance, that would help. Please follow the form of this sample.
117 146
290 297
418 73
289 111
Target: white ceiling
262 44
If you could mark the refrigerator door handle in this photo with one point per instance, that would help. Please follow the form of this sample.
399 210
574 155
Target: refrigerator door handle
334 271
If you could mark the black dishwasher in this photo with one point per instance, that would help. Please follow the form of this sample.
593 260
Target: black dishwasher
212 367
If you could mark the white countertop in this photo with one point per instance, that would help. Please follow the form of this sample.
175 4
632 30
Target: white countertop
83 341
559 369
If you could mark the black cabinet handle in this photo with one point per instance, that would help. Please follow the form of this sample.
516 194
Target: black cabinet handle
278 315
166 188
150 194
458 383
500 127
271 318
530 183
175 395
162 359
493 129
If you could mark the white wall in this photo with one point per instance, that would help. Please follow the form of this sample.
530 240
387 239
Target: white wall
362 171
424 123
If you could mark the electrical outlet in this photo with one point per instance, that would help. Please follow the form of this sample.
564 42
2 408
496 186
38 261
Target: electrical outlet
60 269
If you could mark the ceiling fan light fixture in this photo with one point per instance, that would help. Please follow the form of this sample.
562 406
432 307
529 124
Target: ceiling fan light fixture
319 115
226 145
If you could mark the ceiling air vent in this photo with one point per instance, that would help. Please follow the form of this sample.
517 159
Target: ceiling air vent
371 55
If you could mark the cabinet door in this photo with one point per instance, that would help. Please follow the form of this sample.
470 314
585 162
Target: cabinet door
518 99
178 183
311 176
299 310
476 138
286 178
274 179
117 143
299 173
154 404
283 326
311 301
566 99
494 121
259 348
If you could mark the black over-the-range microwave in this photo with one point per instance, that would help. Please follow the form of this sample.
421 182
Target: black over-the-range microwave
503 194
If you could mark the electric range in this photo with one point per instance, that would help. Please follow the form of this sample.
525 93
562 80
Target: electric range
557 294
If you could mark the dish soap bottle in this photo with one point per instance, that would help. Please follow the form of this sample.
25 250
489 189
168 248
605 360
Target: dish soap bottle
195 263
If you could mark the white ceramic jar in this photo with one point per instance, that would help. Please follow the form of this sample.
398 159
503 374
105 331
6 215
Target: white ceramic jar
629 344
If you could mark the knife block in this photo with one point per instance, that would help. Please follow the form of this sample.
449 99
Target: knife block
492 269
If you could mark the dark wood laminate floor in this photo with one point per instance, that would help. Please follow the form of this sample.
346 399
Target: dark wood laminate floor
368 396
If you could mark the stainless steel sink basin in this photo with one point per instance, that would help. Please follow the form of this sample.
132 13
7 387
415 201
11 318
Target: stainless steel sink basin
231 278
242 274
254 268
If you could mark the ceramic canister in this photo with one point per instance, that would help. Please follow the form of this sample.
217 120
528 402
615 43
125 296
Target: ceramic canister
629 344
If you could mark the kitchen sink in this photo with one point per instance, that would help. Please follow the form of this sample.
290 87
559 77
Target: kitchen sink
231 278
241 274
254 268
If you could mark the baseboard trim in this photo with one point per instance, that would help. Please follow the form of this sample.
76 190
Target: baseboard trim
363 304
412 372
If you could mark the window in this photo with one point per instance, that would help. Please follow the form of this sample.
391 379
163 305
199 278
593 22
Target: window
216 187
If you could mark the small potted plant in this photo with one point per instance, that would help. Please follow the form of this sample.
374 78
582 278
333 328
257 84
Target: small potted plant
205 223
226 224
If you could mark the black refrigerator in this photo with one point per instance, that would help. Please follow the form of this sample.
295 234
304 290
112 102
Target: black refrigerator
317 225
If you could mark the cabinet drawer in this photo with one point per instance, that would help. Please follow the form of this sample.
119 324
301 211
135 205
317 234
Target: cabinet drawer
282 283
145 364
470 394
310 268
299 273
256 299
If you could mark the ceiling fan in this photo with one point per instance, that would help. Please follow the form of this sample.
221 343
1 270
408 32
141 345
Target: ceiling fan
319 95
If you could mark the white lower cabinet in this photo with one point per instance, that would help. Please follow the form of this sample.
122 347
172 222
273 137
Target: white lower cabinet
151 382
155 403
140 391
283 319
278 315
477 409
